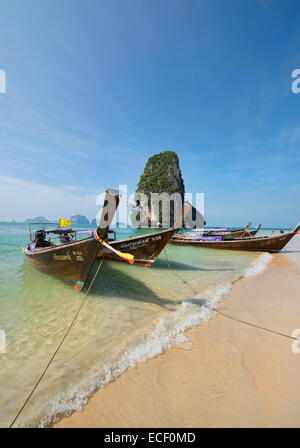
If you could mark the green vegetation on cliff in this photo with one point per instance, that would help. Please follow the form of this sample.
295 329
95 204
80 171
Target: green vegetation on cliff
162 174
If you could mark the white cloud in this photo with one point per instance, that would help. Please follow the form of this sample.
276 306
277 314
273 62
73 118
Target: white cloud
21 199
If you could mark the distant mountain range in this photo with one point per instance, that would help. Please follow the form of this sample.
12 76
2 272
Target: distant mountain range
37 219
79 220
76 220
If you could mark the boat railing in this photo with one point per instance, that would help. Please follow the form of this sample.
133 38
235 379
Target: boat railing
43 224
57 234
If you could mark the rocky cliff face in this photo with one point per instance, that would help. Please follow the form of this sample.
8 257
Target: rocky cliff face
161 175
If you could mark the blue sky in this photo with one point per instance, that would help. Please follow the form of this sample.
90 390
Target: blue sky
94 88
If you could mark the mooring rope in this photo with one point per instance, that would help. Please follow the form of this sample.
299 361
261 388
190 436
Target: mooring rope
176 275
227 315
255 325
59 345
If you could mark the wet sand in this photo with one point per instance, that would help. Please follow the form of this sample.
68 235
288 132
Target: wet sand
231 375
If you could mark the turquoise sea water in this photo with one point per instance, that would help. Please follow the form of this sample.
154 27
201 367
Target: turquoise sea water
132 313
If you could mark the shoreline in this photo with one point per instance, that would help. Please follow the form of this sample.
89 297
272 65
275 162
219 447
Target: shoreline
229 374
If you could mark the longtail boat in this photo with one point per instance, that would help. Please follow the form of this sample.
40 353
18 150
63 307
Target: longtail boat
227 234
67 259
273 243
145 248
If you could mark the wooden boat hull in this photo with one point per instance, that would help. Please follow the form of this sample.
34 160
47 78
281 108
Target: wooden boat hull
70 262
243 233
145 248
262 244
227 235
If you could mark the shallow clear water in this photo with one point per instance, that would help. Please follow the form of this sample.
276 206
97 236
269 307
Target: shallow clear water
132 313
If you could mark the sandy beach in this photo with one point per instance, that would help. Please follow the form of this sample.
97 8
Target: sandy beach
229 375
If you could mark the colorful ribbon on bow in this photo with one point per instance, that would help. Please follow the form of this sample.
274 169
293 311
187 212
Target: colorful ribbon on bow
127 257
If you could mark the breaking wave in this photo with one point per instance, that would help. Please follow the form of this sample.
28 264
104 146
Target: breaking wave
259 265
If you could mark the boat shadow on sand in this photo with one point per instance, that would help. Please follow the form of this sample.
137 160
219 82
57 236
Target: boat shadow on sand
112 282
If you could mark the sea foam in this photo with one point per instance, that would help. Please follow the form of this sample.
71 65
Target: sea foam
258 266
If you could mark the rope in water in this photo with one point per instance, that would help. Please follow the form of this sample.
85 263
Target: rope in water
255 325
176 275
59 346
227 315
